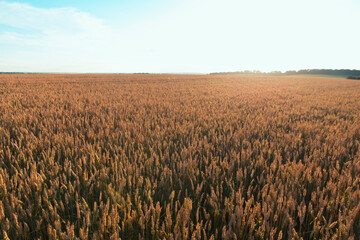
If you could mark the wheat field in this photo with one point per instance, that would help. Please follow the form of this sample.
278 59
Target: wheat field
179 157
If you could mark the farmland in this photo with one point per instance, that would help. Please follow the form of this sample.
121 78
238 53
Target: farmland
179 157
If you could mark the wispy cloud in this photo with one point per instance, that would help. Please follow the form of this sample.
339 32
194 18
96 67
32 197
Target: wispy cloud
61 37
50 21
66 39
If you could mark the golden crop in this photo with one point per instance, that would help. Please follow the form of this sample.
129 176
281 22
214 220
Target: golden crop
179 157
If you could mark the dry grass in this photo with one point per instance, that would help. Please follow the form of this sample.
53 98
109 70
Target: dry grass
179 157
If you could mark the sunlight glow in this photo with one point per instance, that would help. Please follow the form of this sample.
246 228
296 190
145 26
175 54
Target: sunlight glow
187 36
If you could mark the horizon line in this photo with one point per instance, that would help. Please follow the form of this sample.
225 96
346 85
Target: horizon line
186 73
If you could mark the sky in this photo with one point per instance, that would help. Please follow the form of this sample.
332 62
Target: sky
188 36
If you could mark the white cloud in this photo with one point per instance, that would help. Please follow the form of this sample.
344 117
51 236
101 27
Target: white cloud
49 21
51 39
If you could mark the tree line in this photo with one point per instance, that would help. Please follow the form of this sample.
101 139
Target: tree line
355 74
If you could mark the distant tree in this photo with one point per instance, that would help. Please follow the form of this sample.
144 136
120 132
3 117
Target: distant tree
290 73
353 77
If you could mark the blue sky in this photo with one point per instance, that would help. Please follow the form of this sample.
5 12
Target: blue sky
178 36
